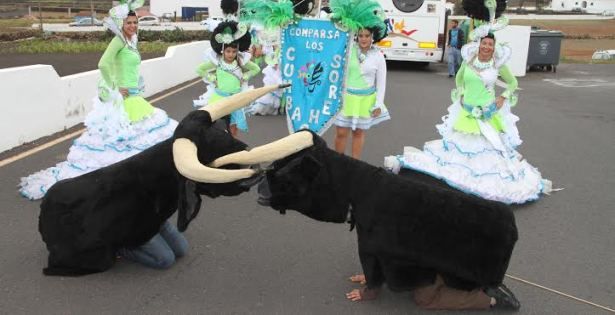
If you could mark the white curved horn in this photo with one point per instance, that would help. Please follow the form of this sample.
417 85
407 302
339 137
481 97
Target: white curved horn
239 100
187 163
269 152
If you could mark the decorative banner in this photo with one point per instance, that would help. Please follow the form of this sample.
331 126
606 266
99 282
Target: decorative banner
314 62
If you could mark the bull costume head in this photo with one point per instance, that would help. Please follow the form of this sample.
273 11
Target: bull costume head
301 182
86 219
197 131
409 229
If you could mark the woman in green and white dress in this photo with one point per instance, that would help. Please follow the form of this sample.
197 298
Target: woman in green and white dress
365 88
477 153
122 123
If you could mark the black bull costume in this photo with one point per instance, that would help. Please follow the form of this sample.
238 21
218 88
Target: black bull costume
409 228
86 219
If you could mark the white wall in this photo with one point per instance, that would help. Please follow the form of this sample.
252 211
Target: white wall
159 7
518 37
36 102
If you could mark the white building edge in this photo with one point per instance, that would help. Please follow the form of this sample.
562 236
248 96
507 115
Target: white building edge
172 7
587 6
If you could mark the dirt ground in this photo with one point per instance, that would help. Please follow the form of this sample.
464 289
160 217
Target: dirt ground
581 50
582 38
588 28
65 64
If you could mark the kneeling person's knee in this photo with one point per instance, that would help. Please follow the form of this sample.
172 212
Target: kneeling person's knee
164 260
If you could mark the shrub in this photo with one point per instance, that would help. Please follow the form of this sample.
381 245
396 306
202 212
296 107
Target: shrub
19 34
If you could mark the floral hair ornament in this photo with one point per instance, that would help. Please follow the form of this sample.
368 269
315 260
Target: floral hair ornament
227 36
115 21
487 17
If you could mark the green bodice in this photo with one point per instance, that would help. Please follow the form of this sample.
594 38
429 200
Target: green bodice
354 78
227 82
119 65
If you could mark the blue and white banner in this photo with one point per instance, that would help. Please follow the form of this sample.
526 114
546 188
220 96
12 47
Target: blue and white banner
313 60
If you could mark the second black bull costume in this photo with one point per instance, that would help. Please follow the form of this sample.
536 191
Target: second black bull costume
412 233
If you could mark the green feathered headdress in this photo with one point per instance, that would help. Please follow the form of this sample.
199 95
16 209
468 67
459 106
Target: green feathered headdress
358 14
269 14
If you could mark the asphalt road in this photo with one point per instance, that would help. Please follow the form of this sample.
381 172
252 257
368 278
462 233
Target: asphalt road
64 64
245 258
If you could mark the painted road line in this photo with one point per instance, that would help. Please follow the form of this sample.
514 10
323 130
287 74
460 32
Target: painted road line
79 132
499 82
580 83
562 294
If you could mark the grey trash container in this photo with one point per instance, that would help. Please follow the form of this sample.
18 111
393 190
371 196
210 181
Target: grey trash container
544 49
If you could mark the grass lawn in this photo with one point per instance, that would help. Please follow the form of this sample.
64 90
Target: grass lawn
8 24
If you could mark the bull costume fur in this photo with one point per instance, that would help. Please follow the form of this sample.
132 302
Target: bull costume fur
86 219
409 229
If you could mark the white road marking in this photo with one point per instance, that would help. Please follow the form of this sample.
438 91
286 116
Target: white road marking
580 83
502 84
608 309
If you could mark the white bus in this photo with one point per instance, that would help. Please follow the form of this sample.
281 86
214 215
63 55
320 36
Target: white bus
417 30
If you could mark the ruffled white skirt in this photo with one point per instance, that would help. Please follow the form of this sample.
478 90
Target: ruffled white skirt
486 164
109 137
355 123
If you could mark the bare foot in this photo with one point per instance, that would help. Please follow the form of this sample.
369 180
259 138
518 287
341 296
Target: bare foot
363 294
358 279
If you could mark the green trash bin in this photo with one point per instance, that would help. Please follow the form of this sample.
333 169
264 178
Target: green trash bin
544 50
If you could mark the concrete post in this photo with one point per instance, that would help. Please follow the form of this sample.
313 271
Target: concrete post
40 16
92 12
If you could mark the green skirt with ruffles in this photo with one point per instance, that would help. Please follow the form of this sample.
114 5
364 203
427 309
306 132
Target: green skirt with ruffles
359 106
137 108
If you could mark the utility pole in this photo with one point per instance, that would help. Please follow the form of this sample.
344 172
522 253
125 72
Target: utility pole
92 12
40 17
